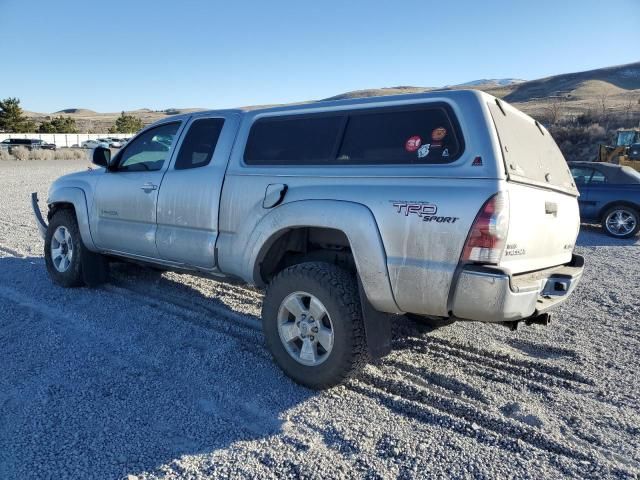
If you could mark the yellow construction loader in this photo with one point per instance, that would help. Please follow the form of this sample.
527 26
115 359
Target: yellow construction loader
626 151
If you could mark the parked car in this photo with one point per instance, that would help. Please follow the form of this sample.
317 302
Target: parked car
95 143
114 142
609 195
346 211
28 143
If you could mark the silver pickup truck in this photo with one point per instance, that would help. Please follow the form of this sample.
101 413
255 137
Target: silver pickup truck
446 204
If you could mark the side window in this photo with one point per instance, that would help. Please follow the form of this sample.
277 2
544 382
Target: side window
416 136
199 143
598 177
581 175
149 151
392 136
293 140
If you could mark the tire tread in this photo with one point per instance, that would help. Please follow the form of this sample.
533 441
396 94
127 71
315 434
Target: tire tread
342 286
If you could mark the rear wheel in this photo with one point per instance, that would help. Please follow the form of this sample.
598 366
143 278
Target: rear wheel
621 221
313 324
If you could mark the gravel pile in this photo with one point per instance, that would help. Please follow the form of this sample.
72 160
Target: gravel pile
166 376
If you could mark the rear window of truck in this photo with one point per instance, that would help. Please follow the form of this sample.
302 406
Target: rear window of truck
422 134
530 154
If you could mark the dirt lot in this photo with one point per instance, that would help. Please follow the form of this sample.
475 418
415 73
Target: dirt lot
167 376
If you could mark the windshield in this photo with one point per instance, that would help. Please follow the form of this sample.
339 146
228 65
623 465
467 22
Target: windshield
626 138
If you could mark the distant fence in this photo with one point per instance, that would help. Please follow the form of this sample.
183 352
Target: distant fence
64 139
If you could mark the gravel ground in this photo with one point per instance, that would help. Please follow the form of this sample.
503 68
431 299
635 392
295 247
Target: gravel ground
166 376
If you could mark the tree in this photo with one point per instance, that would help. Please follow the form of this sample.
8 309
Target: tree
12 117
603 103
59 124
555 110
629 107
126 124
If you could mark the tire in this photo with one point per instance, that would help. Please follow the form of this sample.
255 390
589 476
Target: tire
315 287
63 230
621 221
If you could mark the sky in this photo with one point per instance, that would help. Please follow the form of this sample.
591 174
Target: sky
118 55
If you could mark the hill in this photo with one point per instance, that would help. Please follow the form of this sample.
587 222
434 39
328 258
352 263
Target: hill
614 91
76 111
611 80
491 82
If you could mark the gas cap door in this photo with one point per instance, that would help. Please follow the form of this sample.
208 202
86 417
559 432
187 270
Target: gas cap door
274 194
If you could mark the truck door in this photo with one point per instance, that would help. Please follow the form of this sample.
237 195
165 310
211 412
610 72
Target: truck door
190 192
126 198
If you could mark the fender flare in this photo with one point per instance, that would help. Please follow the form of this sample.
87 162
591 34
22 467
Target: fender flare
77 198
612 203
353 219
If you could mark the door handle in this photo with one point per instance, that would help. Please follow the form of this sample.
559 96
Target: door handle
149 187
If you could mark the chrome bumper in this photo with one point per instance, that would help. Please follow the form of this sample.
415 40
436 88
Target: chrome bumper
40 223
491 295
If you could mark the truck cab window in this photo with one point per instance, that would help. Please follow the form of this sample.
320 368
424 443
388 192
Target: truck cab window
199 143
149 151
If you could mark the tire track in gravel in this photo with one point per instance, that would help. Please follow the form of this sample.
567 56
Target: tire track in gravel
19 225
190 302
244 414
242 294
536 377
249 338
393 369
414 400
532 370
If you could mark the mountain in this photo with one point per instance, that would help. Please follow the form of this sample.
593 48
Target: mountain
610 80
616 89
490 82
76 111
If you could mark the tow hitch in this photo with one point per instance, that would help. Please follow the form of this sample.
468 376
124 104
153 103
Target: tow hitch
539 319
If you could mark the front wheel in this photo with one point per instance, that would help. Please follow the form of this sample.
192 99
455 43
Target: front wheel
621 221
313 325
63 250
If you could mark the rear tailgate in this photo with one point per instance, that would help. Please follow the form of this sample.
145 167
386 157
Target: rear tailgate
544 217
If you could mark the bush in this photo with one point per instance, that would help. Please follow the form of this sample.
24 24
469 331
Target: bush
4 155
20 153
71 154
39 154
596 133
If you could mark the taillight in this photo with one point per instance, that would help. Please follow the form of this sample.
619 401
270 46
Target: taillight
488 233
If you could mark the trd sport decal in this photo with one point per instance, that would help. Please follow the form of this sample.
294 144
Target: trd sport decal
426 211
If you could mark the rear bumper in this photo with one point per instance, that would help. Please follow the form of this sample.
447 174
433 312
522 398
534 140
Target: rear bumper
491 295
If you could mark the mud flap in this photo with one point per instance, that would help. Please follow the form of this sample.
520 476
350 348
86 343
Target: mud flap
377 327
95 268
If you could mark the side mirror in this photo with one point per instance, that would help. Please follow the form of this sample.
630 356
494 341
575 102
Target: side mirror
102 157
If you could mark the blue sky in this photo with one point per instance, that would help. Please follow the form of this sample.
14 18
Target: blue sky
115 55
